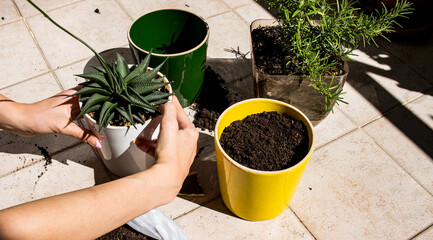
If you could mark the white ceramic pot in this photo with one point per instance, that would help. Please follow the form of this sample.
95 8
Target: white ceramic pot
119 153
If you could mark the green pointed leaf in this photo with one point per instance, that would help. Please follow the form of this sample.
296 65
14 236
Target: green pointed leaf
148 87
84 98
109 119
159 102
161 79
130 115
99 68
122 66
142 78
121 96
156 96
93 100
105 113
138 118
142 67
94 108
91 90
152 73
140 101
124 114
97 77
147 109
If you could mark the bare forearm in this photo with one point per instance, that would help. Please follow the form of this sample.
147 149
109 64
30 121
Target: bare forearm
87 213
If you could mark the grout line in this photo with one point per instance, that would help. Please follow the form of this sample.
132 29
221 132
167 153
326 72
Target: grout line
25 80
17 8
50 68
200 206
243 19
124 10
218 14
18 169
421 232
302 222
38 13
337 138
396 162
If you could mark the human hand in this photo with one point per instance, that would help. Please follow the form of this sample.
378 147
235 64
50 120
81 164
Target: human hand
52 115
176 145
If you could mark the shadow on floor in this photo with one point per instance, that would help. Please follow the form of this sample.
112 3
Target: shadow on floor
235 77
360 77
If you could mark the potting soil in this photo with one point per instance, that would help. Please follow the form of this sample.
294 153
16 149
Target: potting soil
266 141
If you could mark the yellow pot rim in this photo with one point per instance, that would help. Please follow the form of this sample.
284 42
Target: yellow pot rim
305 120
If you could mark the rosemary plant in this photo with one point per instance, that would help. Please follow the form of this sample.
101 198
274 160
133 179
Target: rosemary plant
320 34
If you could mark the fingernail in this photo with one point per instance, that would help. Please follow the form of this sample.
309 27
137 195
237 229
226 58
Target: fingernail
98 145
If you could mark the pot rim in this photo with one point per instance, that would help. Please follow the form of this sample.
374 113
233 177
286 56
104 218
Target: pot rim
307 123
174 54
165 79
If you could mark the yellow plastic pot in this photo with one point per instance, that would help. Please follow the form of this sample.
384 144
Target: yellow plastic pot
252 194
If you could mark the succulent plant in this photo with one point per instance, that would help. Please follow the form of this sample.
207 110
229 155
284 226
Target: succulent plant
119 93
131 94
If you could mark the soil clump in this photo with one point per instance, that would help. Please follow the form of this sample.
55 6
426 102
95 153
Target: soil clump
124 232
211 102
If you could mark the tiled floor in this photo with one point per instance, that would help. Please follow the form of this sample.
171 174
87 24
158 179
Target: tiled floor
371 176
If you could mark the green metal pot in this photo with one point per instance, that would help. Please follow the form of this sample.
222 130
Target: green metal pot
180 36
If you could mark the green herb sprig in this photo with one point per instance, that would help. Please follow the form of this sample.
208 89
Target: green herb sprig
320 34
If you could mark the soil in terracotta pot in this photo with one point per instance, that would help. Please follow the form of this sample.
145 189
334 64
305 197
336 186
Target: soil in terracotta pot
271 55
266 141
124 232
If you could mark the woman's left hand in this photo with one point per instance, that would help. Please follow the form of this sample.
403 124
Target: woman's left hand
52 115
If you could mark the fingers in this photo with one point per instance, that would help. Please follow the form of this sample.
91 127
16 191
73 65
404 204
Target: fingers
169 125
81 133
148 132
146 146
182 118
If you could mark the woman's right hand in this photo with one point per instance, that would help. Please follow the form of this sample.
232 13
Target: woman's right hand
176 146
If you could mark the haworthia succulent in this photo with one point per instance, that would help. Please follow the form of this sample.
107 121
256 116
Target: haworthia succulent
116 91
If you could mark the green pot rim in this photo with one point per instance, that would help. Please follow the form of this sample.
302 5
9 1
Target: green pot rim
174 54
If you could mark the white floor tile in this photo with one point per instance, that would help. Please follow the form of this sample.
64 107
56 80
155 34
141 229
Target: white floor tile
17 152
86 157
253 11
43 180
224 37
376 83
352 190
20 58
215 221
28 10
33 90
101 31
8 12
406 135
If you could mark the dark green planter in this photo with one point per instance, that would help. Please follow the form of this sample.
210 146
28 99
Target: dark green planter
182 37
